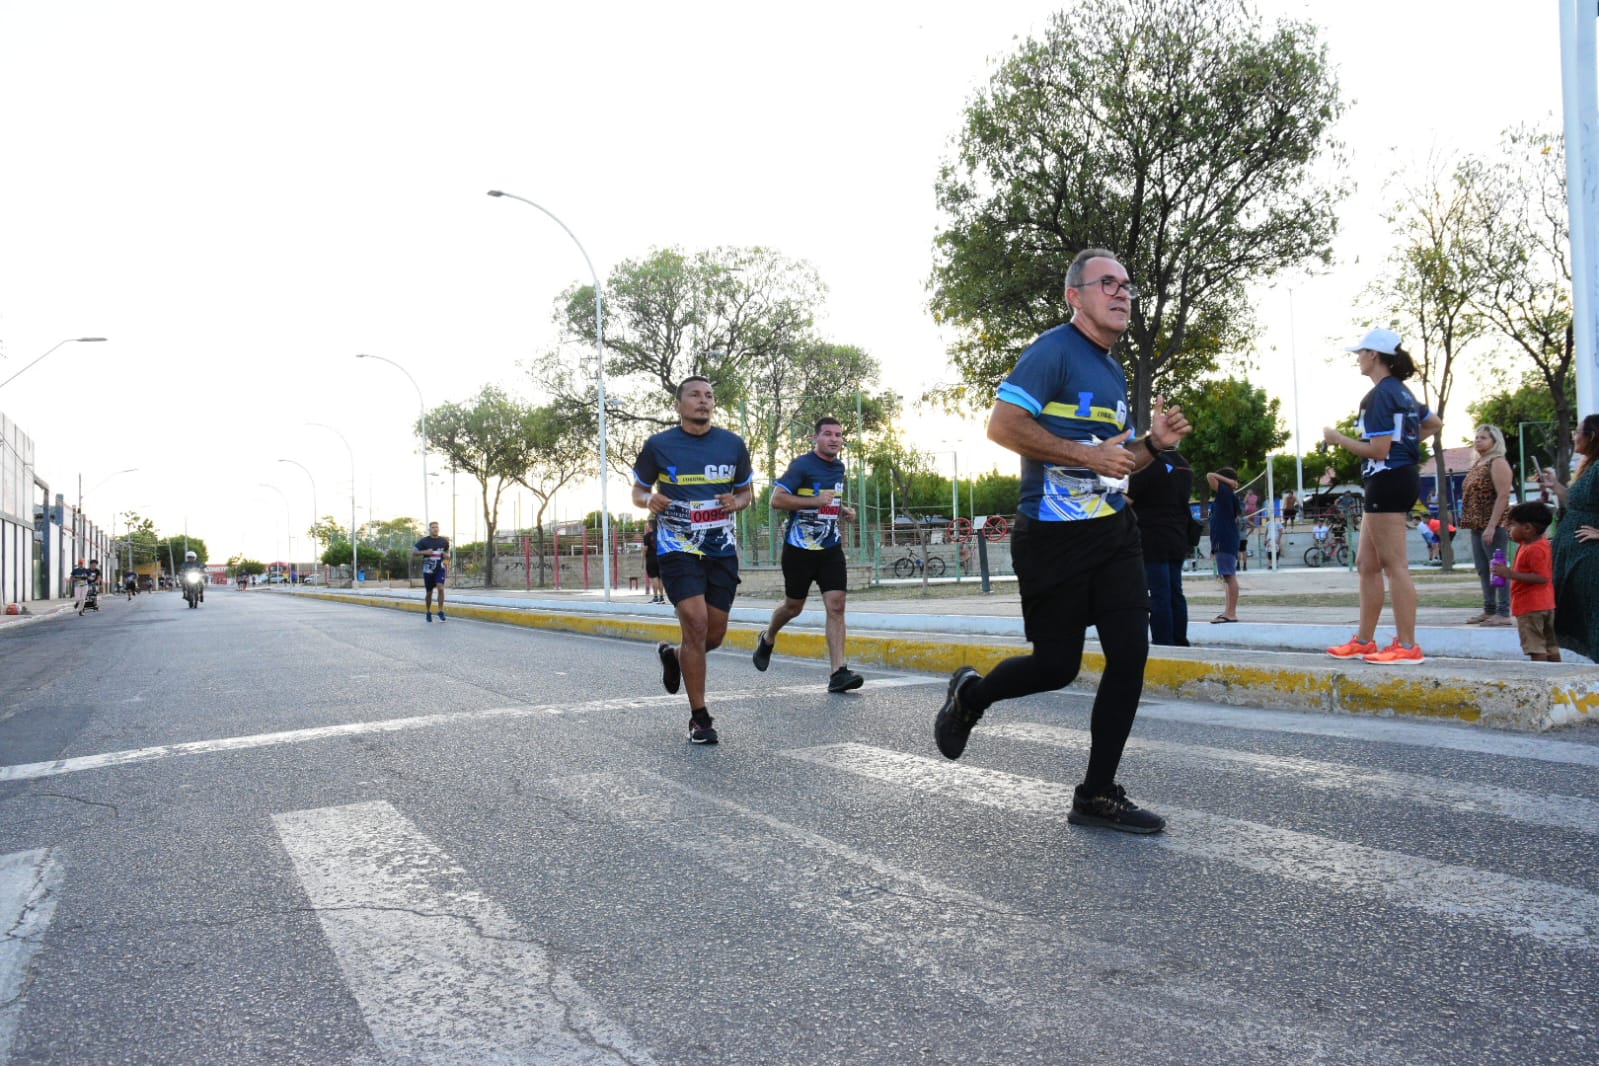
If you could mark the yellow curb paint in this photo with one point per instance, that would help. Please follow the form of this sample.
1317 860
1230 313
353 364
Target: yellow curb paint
1513 703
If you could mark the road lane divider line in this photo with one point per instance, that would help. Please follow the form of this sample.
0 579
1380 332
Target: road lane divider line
29 882
105 760
1518 805
1551 913
442 973
926 924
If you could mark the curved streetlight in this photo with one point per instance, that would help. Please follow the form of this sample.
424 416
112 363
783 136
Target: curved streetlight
69 340
422 406
599 351
355 544
314 515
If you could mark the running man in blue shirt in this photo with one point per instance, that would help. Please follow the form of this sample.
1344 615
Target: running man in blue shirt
1075 547
810 491
694 478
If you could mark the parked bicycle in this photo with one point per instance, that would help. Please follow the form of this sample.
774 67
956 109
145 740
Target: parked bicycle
911 565
1335 549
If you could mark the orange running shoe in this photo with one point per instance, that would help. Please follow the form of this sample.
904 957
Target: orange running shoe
1397 653
1354 648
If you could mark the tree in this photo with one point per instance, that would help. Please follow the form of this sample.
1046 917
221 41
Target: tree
141 538
170 549
907 469
1519 261
1533 405
1180 134
1426 290
488 438
1235 424
562 449
328 531
238 564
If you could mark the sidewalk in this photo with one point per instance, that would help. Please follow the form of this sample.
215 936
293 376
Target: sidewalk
1273 657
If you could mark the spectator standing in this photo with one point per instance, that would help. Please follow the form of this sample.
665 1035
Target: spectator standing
1159 494
1531 582
1485 500
1576 546
652 564
1290 508
1224 540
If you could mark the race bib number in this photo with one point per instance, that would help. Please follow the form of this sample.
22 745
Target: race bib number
708 514
429 565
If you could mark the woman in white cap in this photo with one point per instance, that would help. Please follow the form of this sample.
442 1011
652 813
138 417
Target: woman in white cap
1391 426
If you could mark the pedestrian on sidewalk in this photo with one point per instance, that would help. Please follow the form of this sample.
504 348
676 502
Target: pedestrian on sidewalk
1484 502
810 490
1576 545
693 478
1159 494
1075 545
1391 425
1531 582
652 564
1224 537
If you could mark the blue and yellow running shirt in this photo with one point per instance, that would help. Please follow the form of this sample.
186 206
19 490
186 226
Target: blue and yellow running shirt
1076 391
811 475
691 472
1391 410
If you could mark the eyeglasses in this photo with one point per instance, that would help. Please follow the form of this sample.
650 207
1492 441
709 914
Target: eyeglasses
1110 285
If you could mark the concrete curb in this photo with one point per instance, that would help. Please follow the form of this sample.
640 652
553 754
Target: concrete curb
1553 696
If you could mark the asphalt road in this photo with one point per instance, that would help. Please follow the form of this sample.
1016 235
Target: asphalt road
274 830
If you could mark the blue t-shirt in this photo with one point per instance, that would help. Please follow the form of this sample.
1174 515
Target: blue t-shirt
1224 522
1076 391
1390 410
811 475
692 471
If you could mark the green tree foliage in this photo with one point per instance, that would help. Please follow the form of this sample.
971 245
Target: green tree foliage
1532 408
1182 134
238 564
1235 424
328 531
339 553
907 470
141 540
563 449
492 437
788 390
169 550
1519 265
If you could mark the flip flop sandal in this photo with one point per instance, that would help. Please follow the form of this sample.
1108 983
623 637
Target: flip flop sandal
1220 618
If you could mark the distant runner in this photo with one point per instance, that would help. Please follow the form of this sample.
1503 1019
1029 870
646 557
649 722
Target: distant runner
435 550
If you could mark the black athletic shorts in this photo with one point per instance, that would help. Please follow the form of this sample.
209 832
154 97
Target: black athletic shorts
685 575
824 566
1072 573
433 578
1393 491
652 563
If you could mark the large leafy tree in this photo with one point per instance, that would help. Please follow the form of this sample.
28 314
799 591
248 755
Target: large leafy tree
487 437
562 449
1182 134
1529 414
1235 424
1519 264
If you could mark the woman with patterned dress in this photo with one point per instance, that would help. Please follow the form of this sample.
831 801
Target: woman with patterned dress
1576 546
1484 502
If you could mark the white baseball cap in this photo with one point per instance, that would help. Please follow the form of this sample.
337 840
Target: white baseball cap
1377 340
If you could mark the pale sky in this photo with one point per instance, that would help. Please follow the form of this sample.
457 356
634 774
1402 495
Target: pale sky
242 197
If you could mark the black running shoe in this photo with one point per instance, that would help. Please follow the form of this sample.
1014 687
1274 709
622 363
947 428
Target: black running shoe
844 679
763 651
671 673
1113 810
701 728
954 722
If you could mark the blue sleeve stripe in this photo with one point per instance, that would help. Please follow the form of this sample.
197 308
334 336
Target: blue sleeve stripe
1015 394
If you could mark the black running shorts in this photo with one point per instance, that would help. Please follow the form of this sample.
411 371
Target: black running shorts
823 566
1393 491
1072 573
685 575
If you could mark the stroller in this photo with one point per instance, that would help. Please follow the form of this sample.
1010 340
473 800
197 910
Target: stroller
91 599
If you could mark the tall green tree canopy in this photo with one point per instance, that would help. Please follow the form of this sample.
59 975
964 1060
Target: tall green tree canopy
1235 424
1183 135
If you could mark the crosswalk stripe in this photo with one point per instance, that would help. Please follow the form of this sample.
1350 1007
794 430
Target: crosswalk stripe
1530 808
986 950
29 881
442 973
1551 913
37 770
1475 740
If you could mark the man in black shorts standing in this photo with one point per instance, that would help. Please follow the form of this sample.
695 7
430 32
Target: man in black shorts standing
812 550
435 553
1078 558
693 478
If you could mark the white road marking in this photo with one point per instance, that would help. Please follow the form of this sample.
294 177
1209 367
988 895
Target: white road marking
442 973
1530 808
1554 914
1476 740
974 946
28 884
36 770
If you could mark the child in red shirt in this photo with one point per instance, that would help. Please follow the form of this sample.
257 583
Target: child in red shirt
1532 590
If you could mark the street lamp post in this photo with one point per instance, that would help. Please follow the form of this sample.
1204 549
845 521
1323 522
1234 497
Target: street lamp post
69 340
314 515
355 544
1293 361
422 406
82 525
599 351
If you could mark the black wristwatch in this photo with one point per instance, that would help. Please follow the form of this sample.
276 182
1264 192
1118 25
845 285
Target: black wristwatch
1149 442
